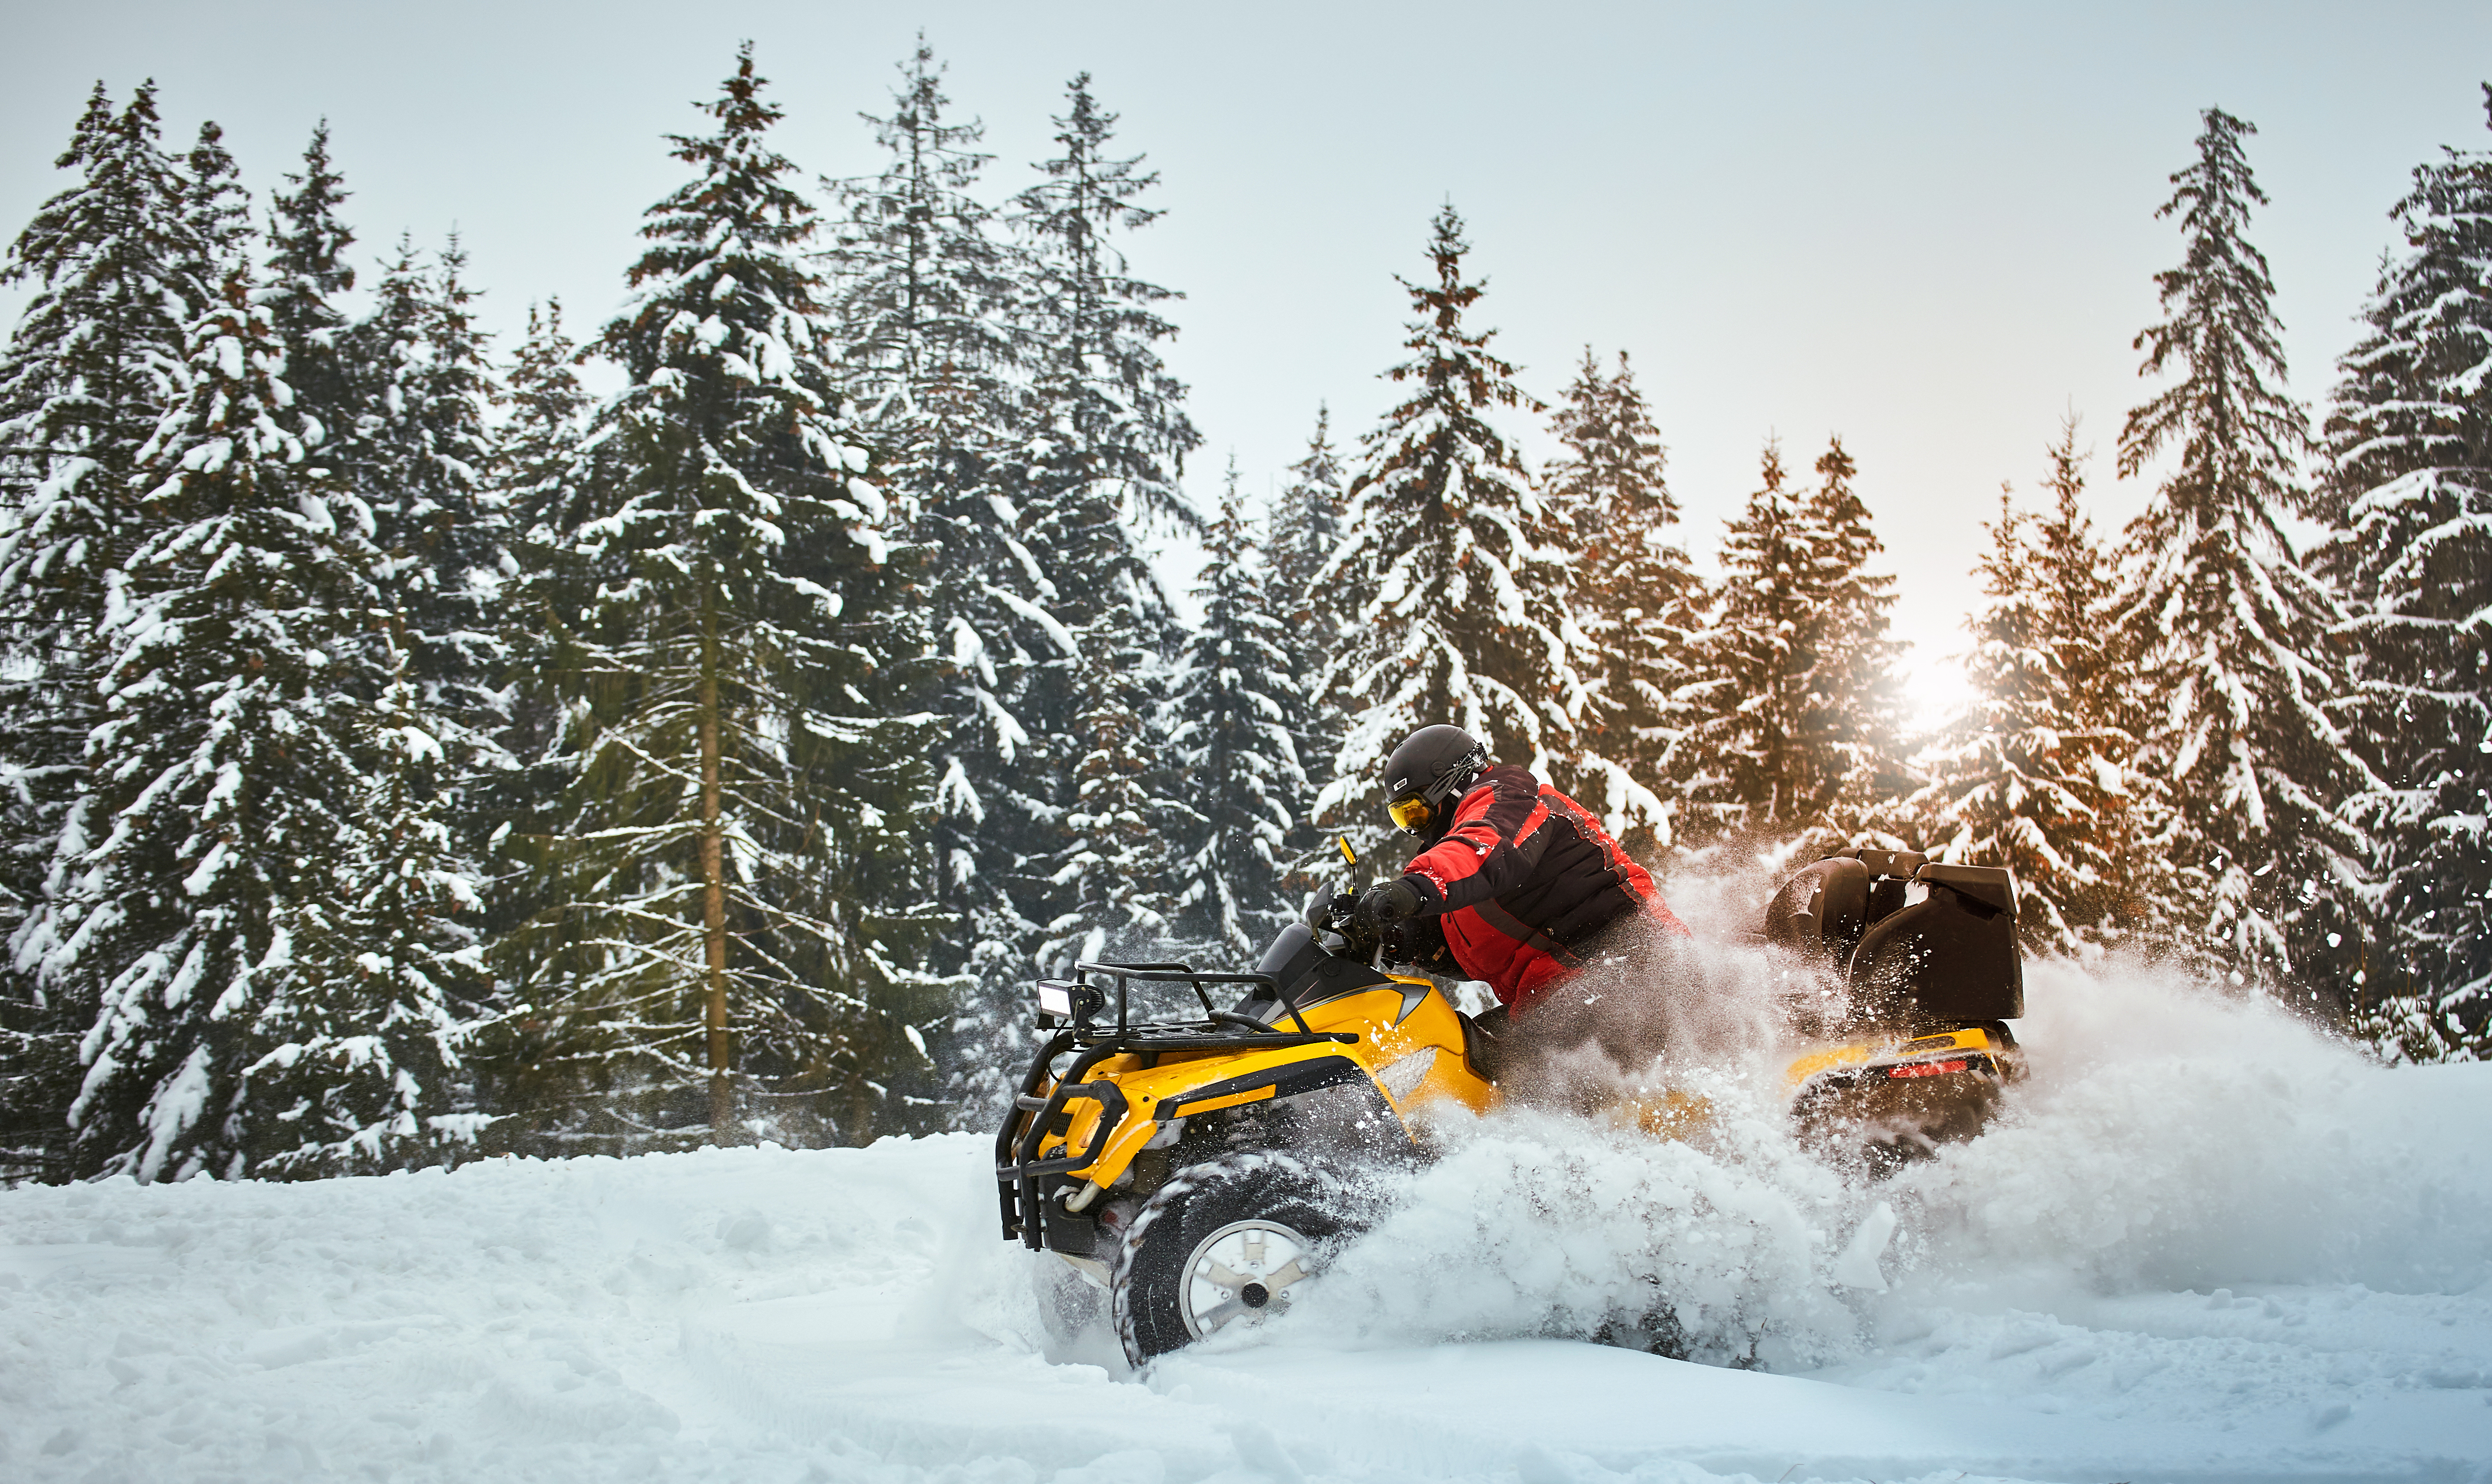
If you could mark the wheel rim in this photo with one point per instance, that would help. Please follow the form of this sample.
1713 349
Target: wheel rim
1242 1274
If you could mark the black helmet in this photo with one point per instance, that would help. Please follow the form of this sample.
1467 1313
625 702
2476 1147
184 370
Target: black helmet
1432 766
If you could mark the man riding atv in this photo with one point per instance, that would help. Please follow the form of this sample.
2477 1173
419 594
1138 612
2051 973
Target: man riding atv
1518 884
1195 1171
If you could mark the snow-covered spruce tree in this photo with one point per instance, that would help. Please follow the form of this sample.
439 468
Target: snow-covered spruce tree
2035 775
1638 598
1003 664
1233 723
218 209
1112 875
1107 410
537 476
1862 707
1109 881
2411 436
226 788
94 360
1303 527
1307 522
1792 701
536 448
444 523
924 299
2238 637
363 1066
1056 632
729 886
925 315
1460 615
307 275
1103 435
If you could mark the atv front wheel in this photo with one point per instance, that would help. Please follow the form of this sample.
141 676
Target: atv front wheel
1223 1243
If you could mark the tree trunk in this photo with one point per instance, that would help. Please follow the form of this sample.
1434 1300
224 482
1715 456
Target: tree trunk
713 867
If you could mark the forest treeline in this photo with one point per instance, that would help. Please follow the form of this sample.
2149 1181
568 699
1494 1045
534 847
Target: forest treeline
410 754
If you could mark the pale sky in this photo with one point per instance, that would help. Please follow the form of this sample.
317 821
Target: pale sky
1928 228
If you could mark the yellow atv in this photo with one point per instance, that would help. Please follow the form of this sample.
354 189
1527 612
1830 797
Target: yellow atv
1197 1169
1193 1168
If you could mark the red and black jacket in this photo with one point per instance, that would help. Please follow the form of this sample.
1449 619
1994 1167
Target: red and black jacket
1523 876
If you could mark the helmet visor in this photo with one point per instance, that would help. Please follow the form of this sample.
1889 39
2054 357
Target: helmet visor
1410 814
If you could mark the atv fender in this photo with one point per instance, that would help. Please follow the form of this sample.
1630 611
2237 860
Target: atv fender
1160 1097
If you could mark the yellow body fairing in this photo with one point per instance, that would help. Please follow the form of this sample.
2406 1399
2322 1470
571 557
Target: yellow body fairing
1396 1023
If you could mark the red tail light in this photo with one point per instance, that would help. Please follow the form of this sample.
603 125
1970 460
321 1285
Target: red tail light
1925 1068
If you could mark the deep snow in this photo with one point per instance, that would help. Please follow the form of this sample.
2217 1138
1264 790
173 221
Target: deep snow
2204 1246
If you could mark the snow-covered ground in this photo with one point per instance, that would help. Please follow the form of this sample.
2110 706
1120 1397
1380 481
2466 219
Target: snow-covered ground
2205 1246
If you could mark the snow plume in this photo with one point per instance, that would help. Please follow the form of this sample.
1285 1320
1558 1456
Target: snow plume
1536 1224
1564 1217
2173 1137
2169 1137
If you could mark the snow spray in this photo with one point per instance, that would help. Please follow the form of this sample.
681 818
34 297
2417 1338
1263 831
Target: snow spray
2170 1135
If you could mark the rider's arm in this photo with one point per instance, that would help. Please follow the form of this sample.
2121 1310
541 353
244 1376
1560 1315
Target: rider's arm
1498 832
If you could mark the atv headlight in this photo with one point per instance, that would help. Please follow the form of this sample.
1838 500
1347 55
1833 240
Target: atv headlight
1404 1076
1061 1003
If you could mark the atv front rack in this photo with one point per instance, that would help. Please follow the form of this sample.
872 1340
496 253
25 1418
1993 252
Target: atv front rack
1025 1178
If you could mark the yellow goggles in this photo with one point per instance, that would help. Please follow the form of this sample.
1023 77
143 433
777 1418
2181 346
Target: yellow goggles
1408 813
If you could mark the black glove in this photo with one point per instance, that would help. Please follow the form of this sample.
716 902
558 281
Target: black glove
1382 907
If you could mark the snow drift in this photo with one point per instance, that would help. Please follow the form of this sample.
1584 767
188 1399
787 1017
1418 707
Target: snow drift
2204 1244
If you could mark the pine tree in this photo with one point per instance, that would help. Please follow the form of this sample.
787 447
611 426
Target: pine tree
307 275
1055 628
94 360
537 446
1113 870
1109 881
1861 708
1234 720
732 883
362 1061
1304 528
218 210
925 299
1308 524
2035 775
540 476
97 358
1459 613
537 477
1638 598
2411 439
927 314
1003 671
1792 697
2237 636
443 529
1106 412
427 455
225 779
